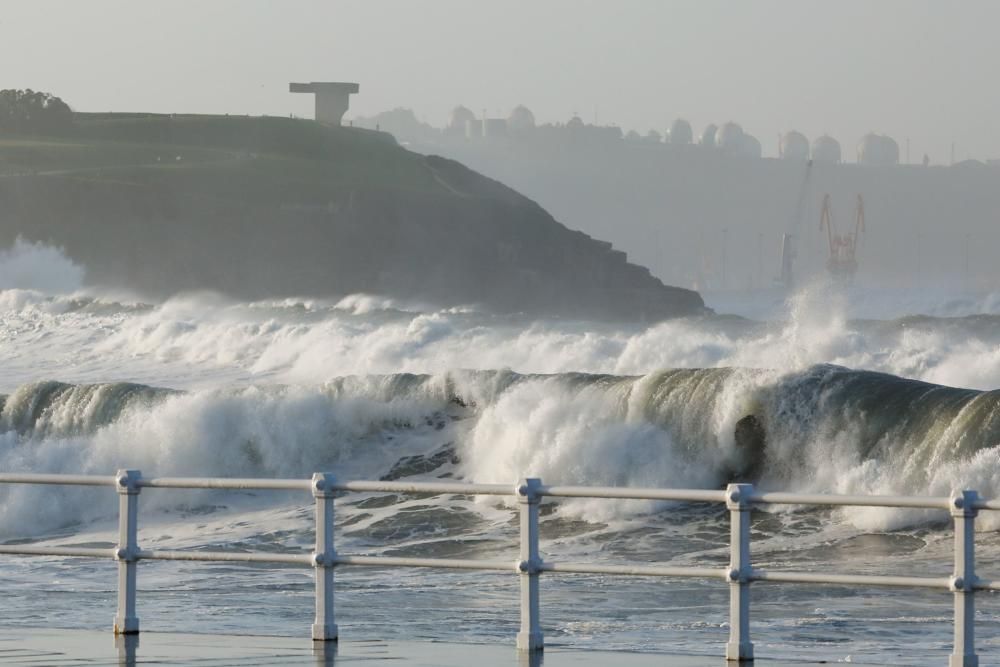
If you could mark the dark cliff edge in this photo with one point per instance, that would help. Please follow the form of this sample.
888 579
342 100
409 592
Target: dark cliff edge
273 207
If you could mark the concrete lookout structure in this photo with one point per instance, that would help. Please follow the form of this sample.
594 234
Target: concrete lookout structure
332 98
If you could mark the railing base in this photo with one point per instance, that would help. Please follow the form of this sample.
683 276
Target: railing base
127 626
324 633
963 661
530 641
739 653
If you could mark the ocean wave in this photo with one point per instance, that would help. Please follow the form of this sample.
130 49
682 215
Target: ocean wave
826 428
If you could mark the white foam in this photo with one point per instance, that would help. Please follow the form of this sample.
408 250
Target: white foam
228 351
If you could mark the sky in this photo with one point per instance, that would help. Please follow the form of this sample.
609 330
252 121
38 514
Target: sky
921 71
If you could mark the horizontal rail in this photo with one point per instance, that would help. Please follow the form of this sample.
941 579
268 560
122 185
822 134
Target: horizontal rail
637 570
428 487
71 480
988 505
227 556
84 552
307 559
225 483
685 495
987 585
833 500
447 563
690 495
844 579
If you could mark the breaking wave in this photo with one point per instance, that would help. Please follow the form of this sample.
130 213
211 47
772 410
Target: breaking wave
196 340
825 428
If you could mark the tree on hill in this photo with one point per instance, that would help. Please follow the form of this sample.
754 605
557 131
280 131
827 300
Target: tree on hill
28 111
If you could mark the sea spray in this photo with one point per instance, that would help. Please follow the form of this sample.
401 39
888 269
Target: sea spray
199 340
36 266
823 429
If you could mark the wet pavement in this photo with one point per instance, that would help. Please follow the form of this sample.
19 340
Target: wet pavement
87 648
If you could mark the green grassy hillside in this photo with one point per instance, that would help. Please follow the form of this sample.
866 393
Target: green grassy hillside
263 207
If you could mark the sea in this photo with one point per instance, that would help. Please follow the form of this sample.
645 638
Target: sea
824 389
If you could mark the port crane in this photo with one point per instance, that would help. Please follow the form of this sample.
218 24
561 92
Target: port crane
788 250
843 261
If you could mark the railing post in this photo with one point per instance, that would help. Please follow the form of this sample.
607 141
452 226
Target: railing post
739 648
126 553
324 627
127 645
964 510
530 637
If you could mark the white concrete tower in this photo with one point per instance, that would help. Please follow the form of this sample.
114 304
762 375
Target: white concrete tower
332 98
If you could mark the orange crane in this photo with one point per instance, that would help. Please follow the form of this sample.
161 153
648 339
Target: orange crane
843 261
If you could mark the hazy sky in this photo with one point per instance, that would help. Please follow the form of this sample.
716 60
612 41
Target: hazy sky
910 68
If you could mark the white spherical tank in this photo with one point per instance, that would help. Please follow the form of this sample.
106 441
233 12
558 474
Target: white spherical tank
826 149
730 138
878 151
707 137
460 116
681 133
521 119
751 147
794 146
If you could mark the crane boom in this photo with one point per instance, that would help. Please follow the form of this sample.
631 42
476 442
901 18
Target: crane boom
825 221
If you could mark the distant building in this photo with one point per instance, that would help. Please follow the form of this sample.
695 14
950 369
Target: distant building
730 138
878 151
751 147
473 128
680 133
794 146
826 149
707 138
459 121
521 120
495 128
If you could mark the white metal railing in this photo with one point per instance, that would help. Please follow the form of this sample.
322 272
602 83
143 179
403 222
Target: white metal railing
739 499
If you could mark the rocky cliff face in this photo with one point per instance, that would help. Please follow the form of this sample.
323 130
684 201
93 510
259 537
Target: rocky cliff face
261 208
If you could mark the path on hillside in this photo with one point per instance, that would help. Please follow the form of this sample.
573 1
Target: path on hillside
232 158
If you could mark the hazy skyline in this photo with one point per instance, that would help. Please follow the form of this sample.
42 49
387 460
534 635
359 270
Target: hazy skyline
911 69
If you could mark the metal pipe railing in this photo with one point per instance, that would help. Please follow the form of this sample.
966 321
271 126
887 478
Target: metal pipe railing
740 499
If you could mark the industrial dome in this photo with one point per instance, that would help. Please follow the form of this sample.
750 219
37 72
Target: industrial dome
794 146
521 119
459 117
707 137
750 147
680 132
730 138
878 150
575 122
826 149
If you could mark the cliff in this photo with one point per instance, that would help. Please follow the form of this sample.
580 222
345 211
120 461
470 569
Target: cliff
274 207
